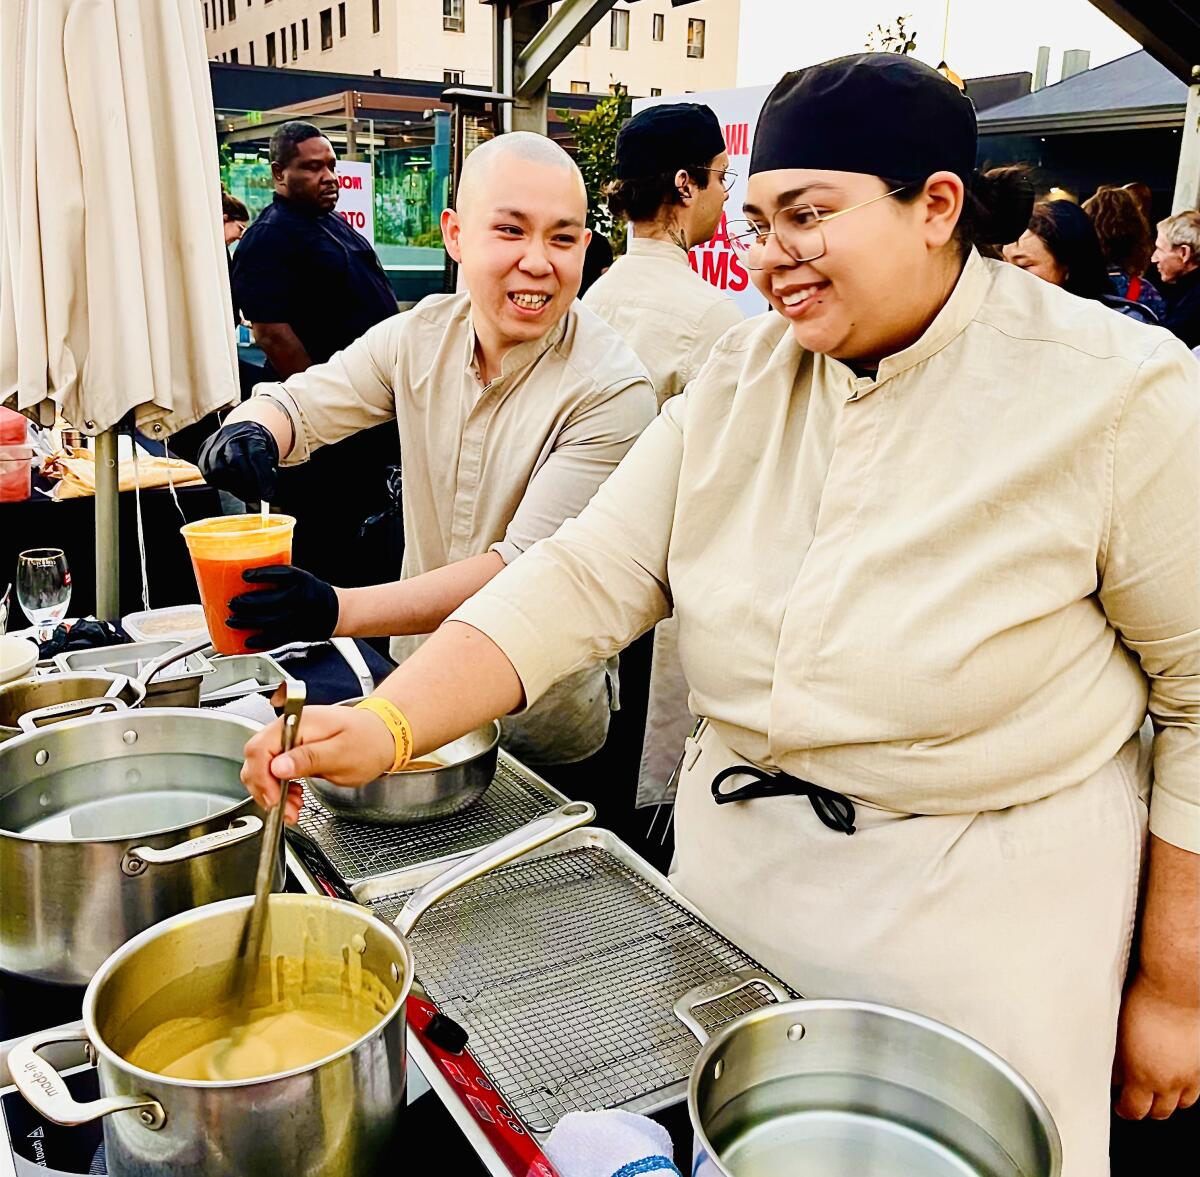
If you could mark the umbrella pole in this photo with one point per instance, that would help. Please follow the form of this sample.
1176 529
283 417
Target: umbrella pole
108 579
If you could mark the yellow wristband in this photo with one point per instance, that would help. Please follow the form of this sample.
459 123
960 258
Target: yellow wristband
397 724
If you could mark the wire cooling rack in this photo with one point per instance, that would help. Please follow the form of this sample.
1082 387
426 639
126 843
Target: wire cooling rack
359 851
564 968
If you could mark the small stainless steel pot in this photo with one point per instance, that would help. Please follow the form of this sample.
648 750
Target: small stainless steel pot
28 703
812 1088
409 797
112 823
331 1118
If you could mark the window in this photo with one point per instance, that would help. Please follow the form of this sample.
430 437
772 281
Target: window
659 21
304 34
206 16
579 87
341 20
294 40
326 28
454 19
452 77
271 49
695 46
232 10
251 52
222 10
618 30
655 91
233 56
374 16
283 45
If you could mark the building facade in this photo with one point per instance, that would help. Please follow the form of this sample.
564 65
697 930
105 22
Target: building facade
647 46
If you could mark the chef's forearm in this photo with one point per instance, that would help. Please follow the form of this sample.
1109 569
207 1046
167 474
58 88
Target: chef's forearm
1169 944
267 413
414 606
458 680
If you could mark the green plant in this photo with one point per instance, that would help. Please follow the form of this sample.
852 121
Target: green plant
893 38
595 133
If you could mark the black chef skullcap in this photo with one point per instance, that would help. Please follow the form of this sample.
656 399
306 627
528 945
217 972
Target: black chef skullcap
668 137
881 114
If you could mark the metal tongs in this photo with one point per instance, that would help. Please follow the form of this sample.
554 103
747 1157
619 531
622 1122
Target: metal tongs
250 947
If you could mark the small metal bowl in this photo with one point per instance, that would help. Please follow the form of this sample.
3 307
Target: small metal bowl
468 765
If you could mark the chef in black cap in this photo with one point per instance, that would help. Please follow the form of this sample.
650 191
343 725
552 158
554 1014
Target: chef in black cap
932 536
672 185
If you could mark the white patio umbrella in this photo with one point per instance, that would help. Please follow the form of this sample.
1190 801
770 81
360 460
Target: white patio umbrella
114 291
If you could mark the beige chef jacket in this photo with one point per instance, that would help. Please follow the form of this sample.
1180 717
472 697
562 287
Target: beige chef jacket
487 468
664 310
953 586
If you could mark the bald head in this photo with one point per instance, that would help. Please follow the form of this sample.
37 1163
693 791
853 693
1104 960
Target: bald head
517 147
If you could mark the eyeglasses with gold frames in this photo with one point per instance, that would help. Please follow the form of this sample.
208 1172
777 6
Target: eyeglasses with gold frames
797 228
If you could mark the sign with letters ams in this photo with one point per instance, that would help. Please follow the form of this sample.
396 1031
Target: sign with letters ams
715 261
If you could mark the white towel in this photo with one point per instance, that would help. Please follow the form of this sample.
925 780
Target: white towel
610 1144
253 707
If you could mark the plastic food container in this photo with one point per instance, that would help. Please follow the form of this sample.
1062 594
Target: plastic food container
16 475
178 622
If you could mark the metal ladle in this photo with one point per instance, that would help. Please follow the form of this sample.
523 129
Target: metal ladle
250 947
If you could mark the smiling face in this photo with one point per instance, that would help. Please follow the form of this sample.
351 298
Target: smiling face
309 178
1030 253
886 269
520 237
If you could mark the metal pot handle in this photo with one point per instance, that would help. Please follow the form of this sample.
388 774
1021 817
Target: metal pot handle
529 837
57 711
725 986
137 858
164 660
45 1091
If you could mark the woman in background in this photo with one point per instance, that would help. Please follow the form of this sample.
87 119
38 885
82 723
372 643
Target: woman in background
1127 243
1060 247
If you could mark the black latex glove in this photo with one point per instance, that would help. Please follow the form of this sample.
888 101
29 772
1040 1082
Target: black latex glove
294 606
242 458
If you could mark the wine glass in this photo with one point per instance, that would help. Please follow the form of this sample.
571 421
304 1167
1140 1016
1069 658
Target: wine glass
44 587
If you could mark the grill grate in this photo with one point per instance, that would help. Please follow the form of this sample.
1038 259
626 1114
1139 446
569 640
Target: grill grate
564 970
359 850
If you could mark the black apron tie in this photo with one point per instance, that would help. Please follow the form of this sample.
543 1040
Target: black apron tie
834 809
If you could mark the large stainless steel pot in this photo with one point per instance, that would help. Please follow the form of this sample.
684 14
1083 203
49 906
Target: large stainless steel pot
332 1118
467 768
111 823
817 1088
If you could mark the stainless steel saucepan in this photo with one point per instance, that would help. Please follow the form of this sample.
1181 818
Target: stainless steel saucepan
815 1088
110 824
456 776
334 1117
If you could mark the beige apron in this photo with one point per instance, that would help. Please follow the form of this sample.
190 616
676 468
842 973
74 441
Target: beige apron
1013 926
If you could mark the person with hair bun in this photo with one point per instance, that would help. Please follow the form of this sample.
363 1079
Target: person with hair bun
1127 243
931 532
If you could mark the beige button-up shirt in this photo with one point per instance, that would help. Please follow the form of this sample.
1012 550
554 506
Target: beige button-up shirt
664 310
952 587
491 467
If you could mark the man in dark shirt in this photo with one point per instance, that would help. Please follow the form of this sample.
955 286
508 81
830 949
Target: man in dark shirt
1177 256
310 285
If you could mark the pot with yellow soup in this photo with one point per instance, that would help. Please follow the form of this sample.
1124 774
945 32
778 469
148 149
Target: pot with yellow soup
308 1080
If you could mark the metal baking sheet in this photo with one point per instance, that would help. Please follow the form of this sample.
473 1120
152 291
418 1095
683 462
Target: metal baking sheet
359 851
563 968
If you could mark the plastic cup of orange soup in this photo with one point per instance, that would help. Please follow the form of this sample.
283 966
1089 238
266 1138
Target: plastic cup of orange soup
221 550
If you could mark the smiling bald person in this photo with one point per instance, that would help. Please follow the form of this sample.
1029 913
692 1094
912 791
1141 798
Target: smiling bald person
513 402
